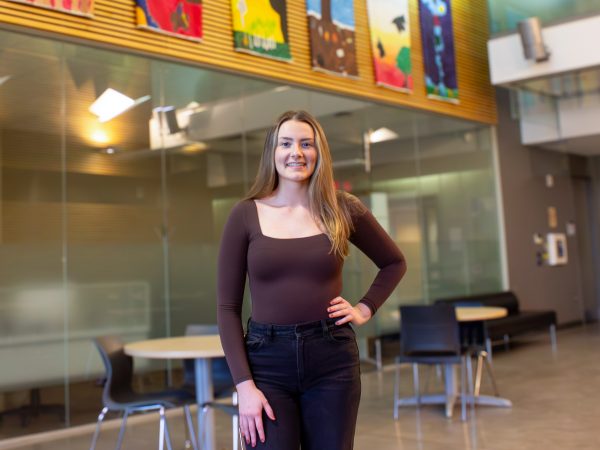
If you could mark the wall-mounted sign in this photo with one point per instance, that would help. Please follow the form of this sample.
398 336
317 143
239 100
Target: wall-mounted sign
78 7
332 37
181 18
260 28
437 39
557 249
390 43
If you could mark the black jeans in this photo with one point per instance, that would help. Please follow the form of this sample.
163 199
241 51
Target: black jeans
310 374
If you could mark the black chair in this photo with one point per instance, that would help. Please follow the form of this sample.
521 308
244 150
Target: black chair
119 396
430 335
223 385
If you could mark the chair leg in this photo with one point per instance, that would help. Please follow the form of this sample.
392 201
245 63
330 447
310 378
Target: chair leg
396 390
463 404
416 383
553 337
190 426
490 371
488 349
378 357
478 371
235 424
97 431
163 431
122 430
506 342
470 378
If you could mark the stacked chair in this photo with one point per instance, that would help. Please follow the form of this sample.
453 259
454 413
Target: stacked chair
430 335
119 396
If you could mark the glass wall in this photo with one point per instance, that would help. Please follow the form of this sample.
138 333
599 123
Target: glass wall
113 226
504 14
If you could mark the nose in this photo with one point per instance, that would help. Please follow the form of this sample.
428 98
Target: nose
296 150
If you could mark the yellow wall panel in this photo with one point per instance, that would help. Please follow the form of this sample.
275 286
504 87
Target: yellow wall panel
114 24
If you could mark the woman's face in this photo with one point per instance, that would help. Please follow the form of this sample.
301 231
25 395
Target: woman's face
296 154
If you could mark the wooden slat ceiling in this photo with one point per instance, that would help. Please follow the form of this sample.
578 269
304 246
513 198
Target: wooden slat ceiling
114 24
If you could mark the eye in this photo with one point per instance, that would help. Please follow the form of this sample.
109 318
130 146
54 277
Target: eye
307 145
285 144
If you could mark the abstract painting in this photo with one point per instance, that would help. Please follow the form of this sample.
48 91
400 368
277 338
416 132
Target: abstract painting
437 38
332 36
390 43
181 18
260 28
78 7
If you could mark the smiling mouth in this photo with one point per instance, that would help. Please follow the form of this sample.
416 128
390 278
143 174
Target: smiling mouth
295 164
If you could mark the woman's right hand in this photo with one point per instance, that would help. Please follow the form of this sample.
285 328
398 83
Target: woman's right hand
251 404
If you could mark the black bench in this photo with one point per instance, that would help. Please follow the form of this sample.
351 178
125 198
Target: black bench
516 323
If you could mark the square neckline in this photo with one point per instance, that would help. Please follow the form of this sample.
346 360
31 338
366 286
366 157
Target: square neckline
257 217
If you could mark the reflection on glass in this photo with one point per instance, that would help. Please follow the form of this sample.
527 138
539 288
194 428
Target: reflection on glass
114 227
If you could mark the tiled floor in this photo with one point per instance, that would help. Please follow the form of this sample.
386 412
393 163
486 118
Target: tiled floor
556 405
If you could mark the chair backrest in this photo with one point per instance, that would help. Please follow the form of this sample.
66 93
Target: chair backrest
222 379
119 369
430 330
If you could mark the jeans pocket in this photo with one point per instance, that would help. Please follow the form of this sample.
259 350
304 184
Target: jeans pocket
342 334
254 342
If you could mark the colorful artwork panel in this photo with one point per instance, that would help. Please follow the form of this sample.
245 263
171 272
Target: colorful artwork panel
182 18
332 36
437 37
260 28
78 7
390 43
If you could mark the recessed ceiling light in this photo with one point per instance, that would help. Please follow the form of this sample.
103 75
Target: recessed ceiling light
381 135
100 137
112 103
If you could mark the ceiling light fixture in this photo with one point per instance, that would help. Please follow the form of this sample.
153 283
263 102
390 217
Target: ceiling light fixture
112 103
4 79
381 135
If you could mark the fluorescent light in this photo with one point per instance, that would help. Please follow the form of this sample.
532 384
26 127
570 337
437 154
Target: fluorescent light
381 135
4 79
112 103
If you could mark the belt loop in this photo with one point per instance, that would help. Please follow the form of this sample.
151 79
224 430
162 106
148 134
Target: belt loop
325 328
271 332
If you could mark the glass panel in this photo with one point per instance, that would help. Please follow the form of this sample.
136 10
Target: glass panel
113 227
114 204
32 298
504 14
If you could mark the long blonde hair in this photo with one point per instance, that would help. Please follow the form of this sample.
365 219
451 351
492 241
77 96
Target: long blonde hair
328 208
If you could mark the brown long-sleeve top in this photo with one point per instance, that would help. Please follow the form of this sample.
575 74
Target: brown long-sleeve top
291 280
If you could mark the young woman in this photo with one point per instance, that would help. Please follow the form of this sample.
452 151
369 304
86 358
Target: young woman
297 369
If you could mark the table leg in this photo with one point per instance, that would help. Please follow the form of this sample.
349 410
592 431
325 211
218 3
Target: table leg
204 393
451 388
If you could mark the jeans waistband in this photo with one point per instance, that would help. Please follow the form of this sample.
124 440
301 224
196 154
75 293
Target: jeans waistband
300 329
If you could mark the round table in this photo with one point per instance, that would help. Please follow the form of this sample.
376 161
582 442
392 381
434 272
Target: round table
479 313
199 348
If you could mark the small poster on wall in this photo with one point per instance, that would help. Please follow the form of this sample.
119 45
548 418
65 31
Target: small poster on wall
332 37
390 43
260 28
181 18
437 38
78 7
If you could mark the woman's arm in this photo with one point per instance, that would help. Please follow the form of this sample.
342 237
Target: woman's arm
374 242
231 279
232 269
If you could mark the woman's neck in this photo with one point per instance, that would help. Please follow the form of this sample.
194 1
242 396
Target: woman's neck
291 194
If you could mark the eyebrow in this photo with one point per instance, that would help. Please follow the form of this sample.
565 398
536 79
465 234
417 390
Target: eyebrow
283 138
